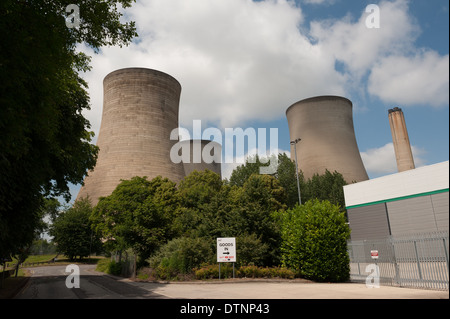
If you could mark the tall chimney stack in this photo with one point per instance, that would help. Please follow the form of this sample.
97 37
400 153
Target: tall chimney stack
402 146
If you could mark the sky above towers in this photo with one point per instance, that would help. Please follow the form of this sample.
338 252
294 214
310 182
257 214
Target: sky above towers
242 63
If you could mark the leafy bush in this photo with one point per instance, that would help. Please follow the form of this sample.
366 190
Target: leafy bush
114 268
226 271
250 250
109 267
315 241
102 265
265 272
180 256
212 272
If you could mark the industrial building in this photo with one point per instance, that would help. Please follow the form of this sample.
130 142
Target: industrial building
328 142
400 223
411 202
406 203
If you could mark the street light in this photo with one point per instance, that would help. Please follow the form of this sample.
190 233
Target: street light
296 168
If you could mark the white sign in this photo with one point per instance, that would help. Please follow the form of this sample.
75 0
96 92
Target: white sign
374 254
226 250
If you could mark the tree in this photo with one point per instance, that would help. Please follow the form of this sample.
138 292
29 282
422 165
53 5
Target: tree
197 194
181 255
72 231
328 186
45 140
262 195
138 215
314 241
288 179
210 208
242 173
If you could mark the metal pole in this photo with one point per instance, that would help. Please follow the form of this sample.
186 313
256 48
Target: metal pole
296 169
418 261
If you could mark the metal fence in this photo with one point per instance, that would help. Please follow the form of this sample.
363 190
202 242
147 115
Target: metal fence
417 261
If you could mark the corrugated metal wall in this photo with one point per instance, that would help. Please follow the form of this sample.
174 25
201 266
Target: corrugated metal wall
440 204
412 216
423 214
369 222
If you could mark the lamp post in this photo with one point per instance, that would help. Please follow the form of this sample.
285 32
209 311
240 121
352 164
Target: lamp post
296 168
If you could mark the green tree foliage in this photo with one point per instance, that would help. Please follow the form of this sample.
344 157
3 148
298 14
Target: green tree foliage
210 208
167 223
259 197
138 215
314 241
42 247
181 255
242 173
72 231
288 179
45 140
251 250
327 186
198 195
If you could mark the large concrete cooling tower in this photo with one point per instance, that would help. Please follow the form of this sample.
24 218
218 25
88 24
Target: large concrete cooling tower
402 146
140 109
203 154
325 126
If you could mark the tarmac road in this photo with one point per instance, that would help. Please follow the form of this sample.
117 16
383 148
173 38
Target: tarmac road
49 282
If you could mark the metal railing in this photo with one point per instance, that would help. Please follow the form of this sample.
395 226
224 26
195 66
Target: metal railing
416 261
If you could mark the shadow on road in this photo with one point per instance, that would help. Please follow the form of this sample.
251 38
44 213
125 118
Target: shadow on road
50 283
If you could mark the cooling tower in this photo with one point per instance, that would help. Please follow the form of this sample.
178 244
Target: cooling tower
140 109
325 126
402 146
203 154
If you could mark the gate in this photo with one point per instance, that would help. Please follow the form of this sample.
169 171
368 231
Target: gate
416 261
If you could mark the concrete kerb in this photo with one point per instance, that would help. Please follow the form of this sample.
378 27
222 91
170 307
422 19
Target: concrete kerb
225 281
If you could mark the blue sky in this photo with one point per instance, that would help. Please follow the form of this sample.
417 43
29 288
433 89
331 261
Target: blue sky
242 63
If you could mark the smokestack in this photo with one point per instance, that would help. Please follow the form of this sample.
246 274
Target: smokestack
328 142
140 109
402 146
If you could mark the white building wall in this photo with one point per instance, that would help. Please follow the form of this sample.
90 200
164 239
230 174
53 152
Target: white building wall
420 180
406 203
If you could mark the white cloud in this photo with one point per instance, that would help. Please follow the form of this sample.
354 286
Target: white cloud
236 60
381 161
399 72
420 79
359 47
240 60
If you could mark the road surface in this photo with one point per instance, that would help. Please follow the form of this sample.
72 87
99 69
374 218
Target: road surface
49 282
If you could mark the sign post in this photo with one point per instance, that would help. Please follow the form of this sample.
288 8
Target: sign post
226 251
